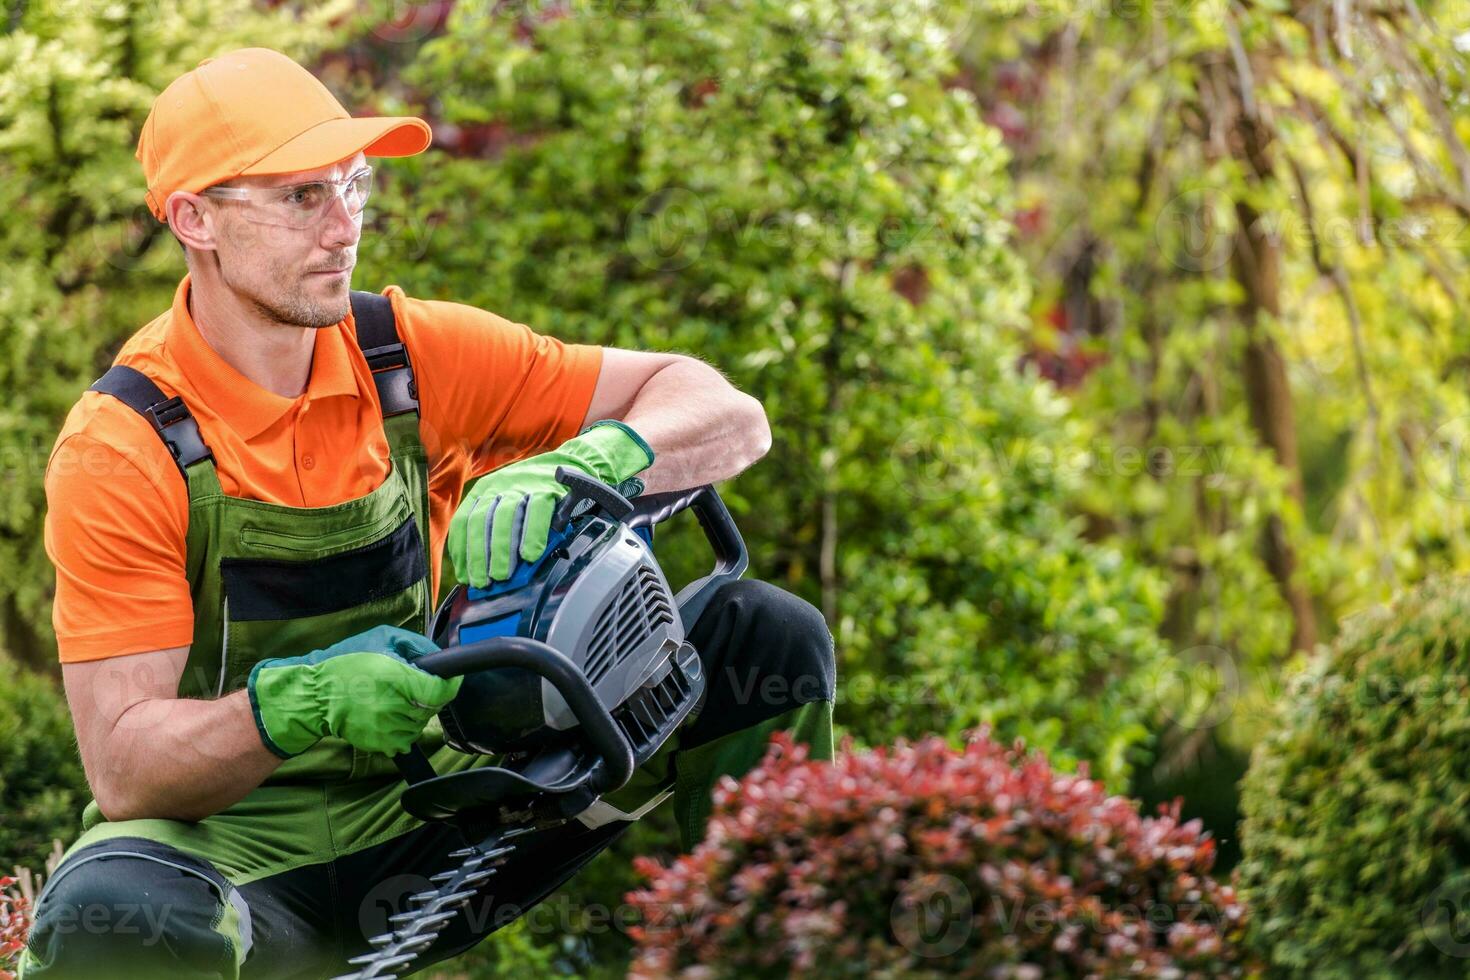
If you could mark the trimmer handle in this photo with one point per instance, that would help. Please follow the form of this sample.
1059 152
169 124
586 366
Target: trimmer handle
585 489
545 661
731 558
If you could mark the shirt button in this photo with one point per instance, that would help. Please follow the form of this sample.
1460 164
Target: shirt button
308 461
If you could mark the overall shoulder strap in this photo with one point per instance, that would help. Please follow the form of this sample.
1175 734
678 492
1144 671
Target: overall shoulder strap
387 358
169 417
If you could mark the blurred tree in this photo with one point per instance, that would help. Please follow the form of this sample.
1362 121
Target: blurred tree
86 263
1249 218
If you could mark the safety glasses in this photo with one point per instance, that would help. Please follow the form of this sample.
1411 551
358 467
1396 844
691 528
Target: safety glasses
300 205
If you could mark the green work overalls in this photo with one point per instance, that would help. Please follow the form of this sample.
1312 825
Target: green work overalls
269 580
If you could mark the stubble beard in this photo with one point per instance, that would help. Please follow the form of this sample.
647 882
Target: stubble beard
295 308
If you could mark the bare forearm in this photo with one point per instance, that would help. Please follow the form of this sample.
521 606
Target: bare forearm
181 759
700 427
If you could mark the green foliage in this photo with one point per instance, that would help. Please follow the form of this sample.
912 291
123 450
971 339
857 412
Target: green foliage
86 264
1208 190
1152 140
42 786
510 953
1357 835
794 194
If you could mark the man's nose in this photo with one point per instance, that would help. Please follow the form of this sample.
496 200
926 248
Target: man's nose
340 227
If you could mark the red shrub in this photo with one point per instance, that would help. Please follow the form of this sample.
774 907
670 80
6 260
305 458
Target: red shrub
15 921
926 860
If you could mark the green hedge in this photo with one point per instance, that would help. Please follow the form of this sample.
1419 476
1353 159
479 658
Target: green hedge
1357 831
42 787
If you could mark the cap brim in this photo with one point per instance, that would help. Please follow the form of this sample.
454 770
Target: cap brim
338 139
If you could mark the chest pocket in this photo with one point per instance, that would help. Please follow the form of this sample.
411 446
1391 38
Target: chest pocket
275 607
265 541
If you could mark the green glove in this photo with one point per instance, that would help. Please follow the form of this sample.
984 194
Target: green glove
363 689
508 511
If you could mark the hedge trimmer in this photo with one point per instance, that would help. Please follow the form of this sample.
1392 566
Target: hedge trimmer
576 671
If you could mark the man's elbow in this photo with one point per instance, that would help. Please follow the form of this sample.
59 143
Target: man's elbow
117 801
132 799
758 430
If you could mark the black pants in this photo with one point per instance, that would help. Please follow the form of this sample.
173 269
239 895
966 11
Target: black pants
129 907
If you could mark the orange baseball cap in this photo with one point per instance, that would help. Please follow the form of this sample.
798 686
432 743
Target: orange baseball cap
255 111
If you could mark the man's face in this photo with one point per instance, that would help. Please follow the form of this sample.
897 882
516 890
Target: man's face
298 276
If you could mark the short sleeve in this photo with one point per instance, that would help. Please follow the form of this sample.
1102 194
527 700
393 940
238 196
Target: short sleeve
117 538
490 388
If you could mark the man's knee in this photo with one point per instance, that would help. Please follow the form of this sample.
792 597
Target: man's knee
765 651
128 915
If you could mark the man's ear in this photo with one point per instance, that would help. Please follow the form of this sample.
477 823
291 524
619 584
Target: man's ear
191 221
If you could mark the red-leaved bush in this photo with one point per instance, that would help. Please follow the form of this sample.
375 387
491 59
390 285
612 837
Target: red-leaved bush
927 860
15 921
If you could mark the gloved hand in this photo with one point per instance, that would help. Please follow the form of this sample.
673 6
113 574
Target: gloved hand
508 512
364 689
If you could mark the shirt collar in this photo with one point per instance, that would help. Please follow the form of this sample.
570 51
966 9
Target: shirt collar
244 405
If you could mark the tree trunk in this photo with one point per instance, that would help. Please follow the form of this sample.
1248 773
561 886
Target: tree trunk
1256 264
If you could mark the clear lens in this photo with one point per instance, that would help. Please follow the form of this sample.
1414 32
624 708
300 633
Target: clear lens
307 199
359 186
302 205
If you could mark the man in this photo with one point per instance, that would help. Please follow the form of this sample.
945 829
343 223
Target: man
247 516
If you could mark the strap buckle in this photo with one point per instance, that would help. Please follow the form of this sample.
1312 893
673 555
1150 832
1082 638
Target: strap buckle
393 375
179 431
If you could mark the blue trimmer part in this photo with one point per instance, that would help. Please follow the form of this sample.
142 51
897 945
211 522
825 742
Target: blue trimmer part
525 570
509 624
503 626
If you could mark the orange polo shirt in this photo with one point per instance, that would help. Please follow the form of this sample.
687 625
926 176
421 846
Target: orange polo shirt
490 391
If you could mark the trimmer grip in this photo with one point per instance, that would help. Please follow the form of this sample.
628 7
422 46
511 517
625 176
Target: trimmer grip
583 488
533 655
731 558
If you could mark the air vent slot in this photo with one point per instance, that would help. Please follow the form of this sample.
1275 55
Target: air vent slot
639 608
650 710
